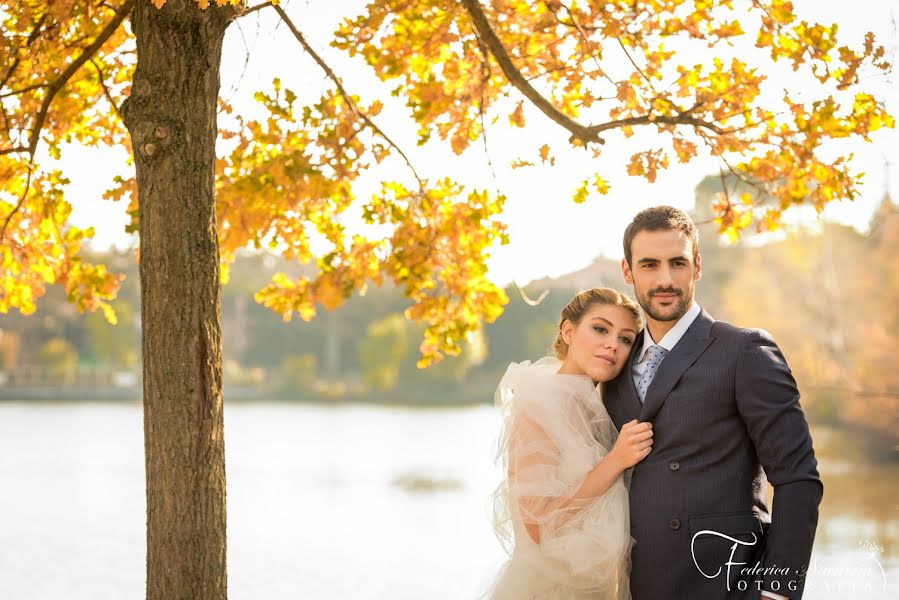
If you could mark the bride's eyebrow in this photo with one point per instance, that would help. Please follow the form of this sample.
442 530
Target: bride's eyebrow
611 324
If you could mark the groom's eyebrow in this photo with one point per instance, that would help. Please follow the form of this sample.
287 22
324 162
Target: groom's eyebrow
611 324
653 261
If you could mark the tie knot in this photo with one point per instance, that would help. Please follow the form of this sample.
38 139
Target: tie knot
656 353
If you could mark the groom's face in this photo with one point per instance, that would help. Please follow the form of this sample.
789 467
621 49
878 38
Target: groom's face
663 271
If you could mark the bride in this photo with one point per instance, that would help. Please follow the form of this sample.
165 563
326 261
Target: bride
562 511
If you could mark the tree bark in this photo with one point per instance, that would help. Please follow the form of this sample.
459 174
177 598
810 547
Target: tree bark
171 116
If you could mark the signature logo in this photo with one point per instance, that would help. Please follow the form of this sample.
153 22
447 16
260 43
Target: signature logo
851 572
733 549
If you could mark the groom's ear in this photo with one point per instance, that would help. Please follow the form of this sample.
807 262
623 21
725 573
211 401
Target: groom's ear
698 275
626 271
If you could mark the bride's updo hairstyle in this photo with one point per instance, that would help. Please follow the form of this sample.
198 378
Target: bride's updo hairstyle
583 302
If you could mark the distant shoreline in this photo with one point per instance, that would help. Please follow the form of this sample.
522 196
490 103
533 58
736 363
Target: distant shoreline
232 394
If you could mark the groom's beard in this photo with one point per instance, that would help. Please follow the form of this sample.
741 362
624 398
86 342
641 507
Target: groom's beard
669 313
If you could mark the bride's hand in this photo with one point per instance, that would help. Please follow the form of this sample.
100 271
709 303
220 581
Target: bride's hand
633 444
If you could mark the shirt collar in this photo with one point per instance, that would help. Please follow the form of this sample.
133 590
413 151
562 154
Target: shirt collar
670 339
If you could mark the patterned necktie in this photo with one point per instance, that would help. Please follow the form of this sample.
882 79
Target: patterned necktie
656 356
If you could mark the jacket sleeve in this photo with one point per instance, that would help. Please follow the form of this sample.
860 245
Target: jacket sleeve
768 401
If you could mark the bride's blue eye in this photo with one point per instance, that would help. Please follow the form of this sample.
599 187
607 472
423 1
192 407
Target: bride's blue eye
626 340
601 329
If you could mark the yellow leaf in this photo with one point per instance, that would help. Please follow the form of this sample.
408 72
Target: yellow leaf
517 117
544 155
580 194
600 184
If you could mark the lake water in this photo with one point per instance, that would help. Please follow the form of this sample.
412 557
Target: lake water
327 503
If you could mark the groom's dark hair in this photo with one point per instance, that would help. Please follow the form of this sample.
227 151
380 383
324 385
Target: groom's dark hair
660 218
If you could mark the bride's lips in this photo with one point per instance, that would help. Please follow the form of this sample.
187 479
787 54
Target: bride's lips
608 359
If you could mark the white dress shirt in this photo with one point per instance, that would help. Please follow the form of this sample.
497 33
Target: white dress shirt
668 342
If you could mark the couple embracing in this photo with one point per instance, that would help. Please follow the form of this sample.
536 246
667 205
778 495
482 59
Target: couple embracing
637 459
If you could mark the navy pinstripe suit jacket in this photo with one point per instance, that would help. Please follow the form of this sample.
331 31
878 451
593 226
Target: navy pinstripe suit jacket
725 413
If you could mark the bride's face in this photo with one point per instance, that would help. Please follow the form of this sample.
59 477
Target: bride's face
599 345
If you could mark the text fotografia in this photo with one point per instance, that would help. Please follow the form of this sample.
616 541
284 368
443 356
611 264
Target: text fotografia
774 585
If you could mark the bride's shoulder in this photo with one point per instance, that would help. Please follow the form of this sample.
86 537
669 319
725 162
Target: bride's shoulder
538 384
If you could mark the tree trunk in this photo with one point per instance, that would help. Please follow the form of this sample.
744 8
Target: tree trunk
171 116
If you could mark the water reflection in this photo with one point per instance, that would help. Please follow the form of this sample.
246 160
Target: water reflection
325 502
415 483
858 533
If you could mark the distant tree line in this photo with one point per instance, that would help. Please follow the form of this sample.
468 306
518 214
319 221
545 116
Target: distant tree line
827 294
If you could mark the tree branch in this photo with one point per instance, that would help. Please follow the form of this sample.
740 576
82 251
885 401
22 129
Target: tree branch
253 9
33 36
64 77
493 43
680 119
52 90
584 133
343 93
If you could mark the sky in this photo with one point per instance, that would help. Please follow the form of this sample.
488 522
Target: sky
550 235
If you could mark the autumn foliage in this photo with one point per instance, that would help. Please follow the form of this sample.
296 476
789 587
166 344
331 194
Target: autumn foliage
824 294
598 70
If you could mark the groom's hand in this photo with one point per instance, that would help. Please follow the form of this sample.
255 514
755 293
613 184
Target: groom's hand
633 444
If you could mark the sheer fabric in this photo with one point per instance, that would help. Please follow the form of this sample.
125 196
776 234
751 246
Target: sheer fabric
555 430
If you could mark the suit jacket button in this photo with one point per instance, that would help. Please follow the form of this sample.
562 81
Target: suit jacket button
674 466
675 523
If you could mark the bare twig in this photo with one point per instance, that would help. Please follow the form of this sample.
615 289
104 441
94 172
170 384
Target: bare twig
759 186
583 34
246 60
527 300
106 91
724 187
19 203
639 70
485 79
25 89
253 9
344 94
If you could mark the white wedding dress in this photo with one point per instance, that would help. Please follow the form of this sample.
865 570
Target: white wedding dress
555 431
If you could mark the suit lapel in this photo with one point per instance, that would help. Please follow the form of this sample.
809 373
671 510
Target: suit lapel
694 342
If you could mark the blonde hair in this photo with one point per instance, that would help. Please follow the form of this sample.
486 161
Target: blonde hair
574 311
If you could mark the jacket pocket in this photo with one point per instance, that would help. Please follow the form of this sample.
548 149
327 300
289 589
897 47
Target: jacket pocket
733 524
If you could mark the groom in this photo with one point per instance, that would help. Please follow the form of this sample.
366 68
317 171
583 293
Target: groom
725 414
